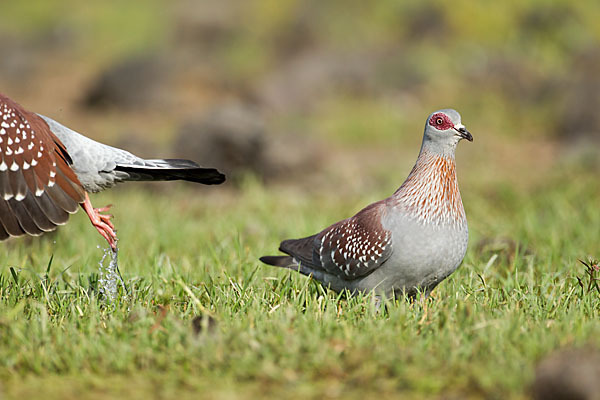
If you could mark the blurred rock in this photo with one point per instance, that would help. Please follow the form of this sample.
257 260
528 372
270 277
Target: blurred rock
58 37
132 83
298 35
420 25
311 75
546 23
204 323
17 61
569 374
234 138
22 55
208 27
578 116
511 77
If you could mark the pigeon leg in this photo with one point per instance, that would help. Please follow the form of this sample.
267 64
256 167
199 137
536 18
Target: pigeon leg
101 221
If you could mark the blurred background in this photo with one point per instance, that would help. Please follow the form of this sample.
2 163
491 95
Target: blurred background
314 93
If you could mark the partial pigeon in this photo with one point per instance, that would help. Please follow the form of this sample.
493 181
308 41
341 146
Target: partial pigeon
47 170
406 243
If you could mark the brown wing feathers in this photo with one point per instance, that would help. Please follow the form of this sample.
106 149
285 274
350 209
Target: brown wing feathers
349 249
38 188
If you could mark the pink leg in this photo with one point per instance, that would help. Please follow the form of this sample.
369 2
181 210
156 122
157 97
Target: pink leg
101 221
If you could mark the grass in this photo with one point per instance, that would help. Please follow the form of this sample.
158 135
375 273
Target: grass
194 254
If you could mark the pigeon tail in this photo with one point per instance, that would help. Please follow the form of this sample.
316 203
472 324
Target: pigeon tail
279 261
290 263
172 169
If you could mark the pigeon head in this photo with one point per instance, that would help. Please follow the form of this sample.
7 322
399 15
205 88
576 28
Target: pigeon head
443 130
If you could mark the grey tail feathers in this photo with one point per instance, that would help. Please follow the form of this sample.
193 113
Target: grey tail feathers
289 263
299 256
279 261
300 249
172 169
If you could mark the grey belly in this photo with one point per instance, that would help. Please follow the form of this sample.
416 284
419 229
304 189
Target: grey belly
422 257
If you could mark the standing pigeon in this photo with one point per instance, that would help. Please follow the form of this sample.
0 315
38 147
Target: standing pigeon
47 170
408 242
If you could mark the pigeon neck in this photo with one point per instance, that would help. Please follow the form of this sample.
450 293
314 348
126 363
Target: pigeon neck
430 193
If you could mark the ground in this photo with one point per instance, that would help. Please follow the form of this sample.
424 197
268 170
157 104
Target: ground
265 331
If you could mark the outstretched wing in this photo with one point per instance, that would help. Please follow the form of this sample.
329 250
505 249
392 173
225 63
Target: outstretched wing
349 249
38 188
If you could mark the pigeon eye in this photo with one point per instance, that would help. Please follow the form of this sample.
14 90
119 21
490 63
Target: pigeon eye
439 121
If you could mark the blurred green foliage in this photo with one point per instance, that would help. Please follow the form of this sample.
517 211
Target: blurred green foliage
103 29
510 63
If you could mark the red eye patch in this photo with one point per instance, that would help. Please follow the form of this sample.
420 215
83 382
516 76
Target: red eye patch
441 121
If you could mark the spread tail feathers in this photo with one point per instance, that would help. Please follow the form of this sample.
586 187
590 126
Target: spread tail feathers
172 169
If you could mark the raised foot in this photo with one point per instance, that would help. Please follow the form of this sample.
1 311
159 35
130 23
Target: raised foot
101 222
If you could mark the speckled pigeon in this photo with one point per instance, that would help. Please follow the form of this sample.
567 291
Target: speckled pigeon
407 242
47 170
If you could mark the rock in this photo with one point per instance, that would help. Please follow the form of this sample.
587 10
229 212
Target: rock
235 138
132 83
231 136
17 61
309 76
570 374
206 28
578 118
204 324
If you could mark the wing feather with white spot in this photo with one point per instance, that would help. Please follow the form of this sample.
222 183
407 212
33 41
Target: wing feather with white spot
38 188
356 246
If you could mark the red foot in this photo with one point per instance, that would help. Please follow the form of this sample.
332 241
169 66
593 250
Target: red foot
101 222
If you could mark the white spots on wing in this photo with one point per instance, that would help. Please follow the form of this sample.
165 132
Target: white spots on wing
354 245
17 138
19 196
39 192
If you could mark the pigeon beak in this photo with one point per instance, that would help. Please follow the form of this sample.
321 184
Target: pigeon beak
463 132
